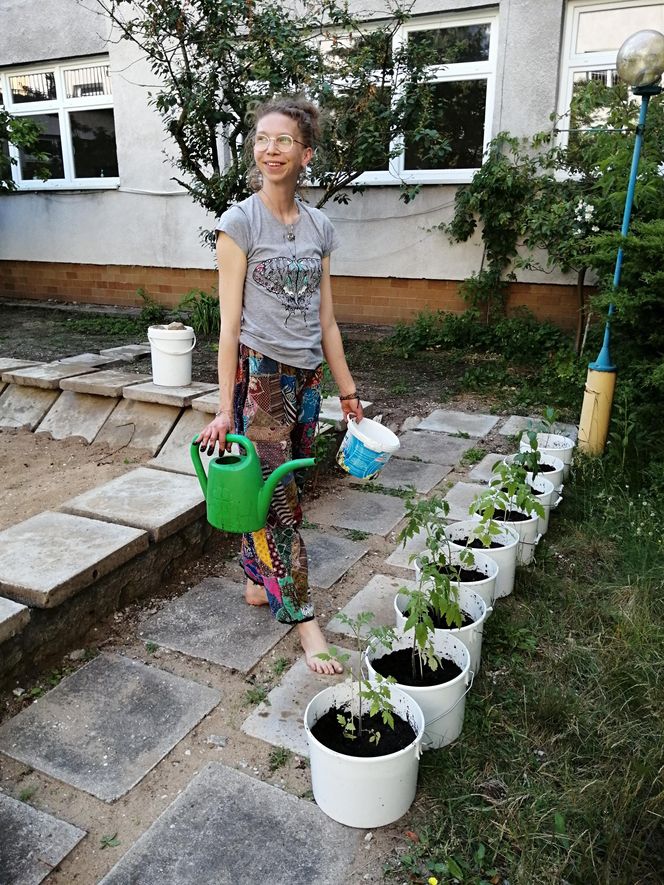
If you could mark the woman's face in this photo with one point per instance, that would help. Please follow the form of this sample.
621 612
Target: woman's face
281 165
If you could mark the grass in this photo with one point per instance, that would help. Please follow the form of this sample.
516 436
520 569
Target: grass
557 776
473 456
255 694
278 757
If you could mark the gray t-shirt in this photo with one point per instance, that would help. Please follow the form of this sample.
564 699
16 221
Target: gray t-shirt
281 308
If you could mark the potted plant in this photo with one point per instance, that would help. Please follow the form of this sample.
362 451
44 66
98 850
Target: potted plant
498 541
364 740
542 487
538 462
549 442
432 666
509 499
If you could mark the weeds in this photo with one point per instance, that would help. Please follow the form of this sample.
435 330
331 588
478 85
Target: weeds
27 793
278 757
202 311
280 666
473 456
256 694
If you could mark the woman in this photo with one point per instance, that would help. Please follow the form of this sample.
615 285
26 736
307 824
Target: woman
277 324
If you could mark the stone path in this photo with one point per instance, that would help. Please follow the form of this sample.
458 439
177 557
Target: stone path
107 725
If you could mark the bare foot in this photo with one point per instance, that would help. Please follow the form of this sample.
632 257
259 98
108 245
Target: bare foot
254 594
313 642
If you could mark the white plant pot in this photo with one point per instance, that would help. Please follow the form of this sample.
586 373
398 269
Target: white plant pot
486 588
470 604
504 556
529 537
545 495
360 792
443 705
552 444
554 476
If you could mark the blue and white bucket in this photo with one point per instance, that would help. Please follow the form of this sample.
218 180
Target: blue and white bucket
366 448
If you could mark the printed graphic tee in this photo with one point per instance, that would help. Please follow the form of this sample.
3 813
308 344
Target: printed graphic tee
281 308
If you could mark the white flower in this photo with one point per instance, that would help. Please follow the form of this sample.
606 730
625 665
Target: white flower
594 229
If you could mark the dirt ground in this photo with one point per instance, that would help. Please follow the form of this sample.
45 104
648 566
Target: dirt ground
37 473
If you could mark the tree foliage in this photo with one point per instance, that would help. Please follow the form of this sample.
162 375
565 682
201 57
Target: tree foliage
217 58
25 135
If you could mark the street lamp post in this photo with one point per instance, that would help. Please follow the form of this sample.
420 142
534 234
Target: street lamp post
640 64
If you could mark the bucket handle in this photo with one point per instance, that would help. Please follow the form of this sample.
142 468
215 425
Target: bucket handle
170 353
429 743
559 499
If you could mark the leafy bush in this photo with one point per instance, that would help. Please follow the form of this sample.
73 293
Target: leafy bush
203 311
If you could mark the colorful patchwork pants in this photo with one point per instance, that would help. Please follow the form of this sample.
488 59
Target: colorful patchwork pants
276 406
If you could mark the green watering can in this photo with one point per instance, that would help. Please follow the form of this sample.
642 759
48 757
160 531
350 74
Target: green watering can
237 496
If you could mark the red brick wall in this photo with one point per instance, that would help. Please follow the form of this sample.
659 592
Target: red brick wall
357 299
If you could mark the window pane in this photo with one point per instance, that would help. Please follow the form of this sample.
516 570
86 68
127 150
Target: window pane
51 143
81 82
458 114
454 45
93 140
32 87
605 30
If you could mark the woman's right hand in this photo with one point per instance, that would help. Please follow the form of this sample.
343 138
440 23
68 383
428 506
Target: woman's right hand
215 433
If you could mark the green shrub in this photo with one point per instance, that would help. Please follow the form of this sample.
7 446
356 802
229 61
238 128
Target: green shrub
203 311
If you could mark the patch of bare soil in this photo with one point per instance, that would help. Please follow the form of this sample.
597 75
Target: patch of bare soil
39 473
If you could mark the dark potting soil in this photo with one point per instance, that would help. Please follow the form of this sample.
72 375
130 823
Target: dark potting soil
400 665
466 575
478 545
512 516
546 468
329 732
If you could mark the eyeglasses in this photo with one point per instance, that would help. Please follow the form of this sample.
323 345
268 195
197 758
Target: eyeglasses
283 143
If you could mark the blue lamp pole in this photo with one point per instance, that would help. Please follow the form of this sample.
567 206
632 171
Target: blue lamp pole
640 63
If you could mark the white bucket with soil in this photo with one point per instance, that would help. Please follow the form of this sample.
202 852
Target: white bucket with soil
443 705
170 348
476 610
552 444
544 491
366 448
503 554
360 791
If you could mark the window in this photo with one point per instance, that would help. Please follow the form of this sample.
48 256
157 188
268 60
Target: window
594 32
462 88
72 104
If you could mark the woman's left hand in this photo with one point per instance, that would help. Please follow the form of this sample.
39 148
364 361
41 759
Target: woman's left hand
352 407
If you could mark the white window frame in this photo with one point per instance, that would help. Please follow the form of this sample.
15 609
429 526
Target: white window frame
573 62
62 106
481 70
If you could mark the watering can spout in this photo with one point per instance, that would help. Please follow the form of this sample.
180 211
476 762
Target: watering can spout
265 495
237 498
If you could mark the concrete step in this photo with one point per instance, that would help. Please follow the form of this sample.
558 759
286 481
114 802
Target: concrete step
45 375
13 618
25 406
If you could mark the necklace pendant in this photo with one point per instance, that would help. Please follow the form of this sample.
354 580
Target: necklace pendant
290 234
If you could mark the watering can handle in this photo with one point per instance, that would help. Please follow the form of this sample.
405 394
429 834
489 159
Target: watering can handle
198 463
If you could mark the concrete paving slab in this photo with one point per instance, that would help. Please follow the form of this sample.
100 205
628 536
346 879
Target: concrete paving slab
174 455
33 842
94 360
352 509
482 472
45 375
460 497
109 383
445 421
13 618
330 556
7 363
516 424
214 831
432 447
208 403
279 720
25 406
400 474
401 556
148 392
378 597
103 728
159 502
3 386
128 352
52 556
211 621
138 425
77 414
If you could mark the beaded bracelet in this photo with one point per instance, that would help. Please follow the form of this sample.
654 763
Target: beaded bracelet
350 396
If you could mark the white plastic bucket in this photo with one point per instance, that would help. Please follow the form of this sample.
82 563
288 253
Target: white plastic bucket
471 635
485 587
545 495
443 705
170 350
366 448
552 444
529 537
504 556
555 476
361 792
